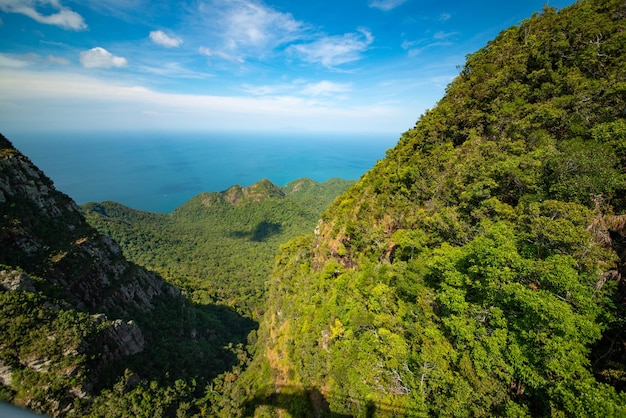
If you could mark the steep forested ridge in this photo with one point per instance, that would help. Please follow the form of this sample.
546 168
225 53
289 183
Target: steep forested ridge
219 246
85 332
478 269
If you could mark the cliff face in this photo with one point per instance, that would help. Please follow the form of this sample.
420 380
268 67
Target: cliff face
60 283
43 232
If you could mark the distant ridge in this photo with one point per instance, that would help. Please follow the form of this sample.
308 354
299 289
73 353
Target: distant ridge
219 245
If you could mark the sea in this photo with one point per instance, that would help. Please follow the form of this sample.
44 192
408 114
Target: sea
159 171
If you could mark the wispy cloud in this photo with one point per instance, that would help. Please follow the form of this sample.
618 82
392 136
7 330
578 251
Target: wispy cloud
443 80
174 70
331 51
322 88
325 88
267 90
161 38
24 60
445 17
51 59
64 17
11 62
244 28
385 5
28 91
441 35
208 52
438 39
101 58
131 11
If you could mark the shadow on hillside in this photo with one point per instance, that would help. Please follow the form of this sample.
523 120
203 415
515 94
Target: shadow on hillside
310 402
261 232
185 340
298 402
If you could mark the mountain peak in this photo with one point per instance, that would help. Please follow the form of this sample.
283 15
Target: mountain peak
258 192
5 143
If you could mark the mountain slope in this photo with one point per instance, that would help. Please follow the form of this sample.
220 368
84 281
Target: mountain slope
475 270
82 330
219 246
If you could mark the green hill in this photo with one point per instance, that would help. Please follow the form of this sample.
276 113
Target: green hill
85 332
477 269
219 246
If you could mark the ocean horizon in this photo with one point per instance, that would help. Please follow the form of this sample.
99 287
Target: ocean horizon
159 171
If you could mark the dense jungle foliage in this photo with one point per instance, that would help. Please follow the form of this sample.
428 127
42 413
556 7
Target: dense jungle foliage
84 332
56 353
478 269
220 247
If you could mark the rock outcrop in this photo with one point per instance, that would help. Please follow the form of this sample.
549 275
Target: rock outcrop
122 339
66 287
43 232
16 281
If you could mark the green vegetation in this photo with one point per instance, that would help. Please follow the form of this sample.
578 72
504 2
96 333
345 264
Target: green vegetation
476 270
85 332
56 354
219 247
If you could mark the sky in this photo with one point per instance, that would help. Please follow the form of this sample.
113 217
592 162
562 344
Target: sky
237 65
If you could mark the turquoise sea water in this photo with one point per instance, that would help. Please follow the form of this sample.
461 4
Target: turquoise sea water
160 171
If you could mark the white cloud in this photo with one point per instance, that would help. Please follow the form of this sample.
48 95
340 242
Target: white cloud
248 28
23 60
325 88
101 58
51 59
385 4
441 35
443 80
10 62
438 39
82 102
332 51
265 90
161 38
174 70
299 87
64 17
221 54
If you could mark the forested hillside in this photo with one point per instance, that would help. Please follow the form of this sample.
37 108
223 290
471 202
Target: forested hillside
478 269
84 332
220 247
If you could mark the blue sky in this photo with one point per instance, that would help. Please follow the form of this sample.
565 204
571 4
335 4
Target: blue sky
194 65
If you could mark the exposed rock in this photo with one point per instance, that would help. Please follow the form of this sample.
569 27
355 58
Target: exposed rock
38 364
6 374
44 232
258 192
16 280
122 339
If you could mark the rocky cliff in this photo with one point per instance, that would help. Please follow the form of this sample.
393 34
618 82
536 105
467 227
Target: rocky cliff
68 295
43 232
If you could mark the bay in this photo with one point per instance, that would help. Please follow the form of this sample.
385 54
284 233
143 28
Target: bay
159 171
